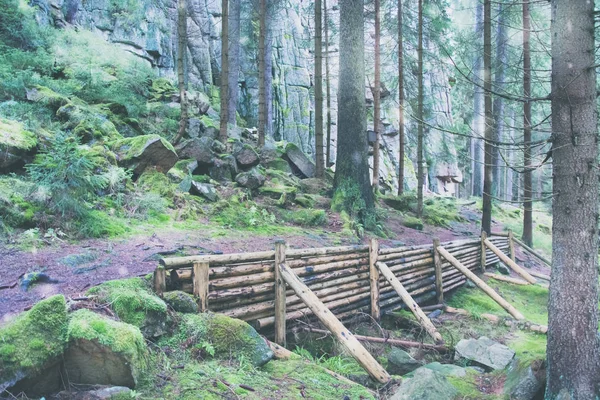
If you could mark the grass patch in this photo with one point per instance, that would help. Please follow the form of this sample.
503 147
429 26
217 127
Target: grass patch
468 387
528 346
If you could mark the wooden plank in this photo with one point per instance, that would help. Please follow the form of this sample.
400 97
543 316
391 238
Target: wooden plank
511 245
200 281
357 350
280 298
439 280
508 279
160 280
374 279
482 285
483 262
533 252
506 260
410 303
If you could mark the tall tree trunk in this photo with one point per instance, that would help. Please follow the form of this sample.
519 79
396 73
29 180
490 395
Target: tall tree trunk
224 69
234 59
498 105
477 143
181 57
400 102
573 344
262 100
508 181
319 159
328 86
377 96
420 114
527 184
486 218
352 160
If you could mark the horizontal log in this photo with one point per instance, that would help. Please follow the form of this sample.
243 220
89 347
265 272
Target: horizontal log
540 275
508 279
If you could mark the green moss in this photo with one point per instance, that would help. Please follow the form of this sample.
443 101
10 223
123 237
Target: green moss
162 89
279 164
96 224
14 136
47 96
306 217
412 222
468 387
88 122
35 339
181 301
156 182
304 200
119 337
133 147
131 300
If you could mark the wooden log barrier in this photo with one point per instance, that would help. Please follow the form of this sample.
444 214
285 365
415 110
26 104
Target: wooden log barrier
374 279
280 297
357 350
439 280
200 280
483 252
533 252
482 285
410 303
508 279
506 260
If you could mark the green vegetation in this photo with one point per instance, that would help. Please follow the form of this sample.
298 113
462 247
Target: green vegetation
347 199
343 365
468 386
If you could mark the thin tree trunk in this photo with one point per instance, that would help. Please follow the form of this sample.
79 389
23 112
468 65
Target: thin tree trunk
498 104
486 218
262 103
319 159
400 102
377 96
181 57
328 86
420 116
352 160
477 143
224 69
573 345
234 59
508 193
527 184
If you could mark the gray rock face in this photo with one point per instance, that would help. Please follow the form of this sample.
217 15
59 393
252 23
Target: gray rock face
199 149
142 152
485 352
205 190
400 362
300 161
525 382
252 179
425 384
223 169
446 369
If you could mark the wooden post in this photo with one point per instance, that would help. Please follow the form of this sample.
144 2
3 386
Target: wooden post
482 285
280 326
357 350
410 303
506 260
511 245
374 279
200 281
160 280
439 280
483 250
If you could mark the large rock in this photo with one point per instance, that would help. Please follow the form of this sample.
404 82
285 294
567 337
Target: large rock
15 142
425 384
228 337
89 123
102 351
135 304
485 352
31 346
205 190
223 169
199 149
141 152
181 302
182 170
446 369
525 381
252 179
400 362
246 156
300 162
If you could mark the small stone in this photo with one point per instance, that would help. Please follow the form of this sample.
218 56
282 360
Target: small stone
400 362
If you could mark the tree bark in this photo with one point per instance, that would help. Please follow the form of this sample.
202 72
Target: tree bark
328 86
234 59
377 95
420 114
262 100
573 344
477 143
527 184
498 104
181 57
224 69
319 159
352 160
400 102
486 218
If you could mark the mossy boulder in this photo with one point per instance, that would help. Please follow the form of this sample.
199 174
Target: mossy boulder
425 384
33 343
252 179
142 152
525 381
87 122
182 169
279 165
15 142
305 200
246 156
412 222
199 149
205 190
223 168
102 351
314 185
299 161
400 362
181 301
229 337
134 303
